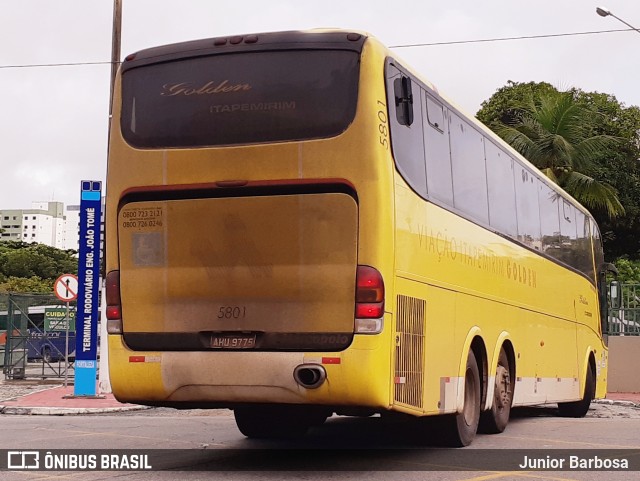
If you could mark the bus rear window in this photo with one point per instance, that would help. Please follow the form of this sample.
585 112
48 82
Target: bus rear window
240 98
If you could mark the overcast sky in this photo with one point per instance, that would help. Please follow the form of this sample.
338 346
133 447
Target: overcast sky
53 126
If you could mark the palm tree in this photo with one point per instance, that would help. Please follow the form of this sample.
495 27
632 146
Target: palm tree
555 133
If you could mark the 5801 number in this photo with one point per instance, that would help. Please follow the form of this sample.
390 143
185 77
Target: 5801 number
383 126
232 312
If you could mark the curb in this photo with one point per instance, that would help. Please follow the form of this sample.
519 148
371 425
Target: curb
60 411
612 402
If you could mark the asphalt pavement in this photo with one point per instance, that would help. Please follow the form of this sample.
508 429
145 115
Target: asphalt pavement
47 397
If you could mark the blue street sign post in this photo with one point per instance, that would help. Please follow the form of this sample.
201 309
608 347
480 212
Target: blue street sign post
88 284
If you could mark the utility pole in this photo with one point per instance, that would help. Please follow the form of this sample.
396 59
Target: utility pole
104 383
115 49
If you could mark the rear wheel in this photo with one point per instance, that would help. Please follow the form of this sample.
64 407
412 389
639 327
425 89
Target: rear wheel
578 409
279 421
495 420
460 429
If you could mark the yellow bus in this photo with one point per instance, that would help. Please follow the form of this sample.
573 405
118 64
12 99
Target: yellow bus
300 225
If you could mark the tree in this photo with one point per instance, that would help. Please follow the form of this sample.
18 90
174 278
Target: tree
553 132
620 169
504 104
32 284
33 267
628 271
616 166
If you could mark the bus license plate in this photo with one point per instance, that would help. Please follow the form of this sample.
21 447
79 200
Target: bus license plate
233 341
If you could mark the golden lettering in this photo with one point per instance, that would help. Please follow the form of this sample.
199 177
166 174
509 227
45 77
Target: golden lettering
209 88
449 248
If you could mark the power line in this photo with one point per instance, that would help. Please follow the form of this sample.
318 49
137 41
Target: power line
503 39
39 65
431 44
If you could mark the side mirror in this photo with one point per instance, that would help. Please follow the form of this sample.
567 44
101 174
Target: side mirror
404 100
615 294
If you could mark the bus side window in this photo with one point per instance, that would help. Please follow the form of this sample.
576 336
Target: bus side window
469 171
568 252
435 114
406 129
502 190
528 212
584 261
437 152
549 220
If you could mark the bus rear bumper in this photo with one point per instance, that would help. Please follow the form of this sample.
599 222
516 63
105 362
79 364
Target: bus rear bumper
225 379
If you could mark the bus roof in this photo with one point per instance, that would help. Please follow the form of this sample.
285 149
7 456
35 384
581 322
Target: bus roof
314 39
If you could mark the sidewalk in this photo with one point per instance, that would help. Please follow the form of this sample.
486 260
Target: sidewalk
46 399
622 398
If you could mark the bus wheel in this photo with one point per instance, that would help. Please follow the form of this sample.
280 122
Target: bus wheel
578 409
46 354
495 419
460 429
273 421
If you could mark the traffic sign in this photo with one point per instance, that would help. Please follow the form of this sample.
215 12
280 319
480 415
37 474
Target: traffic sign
66 287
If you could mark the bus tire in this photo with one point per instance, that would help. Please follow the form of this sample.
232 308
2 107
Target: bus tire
495 419
460 429
46 354
579 409
272 421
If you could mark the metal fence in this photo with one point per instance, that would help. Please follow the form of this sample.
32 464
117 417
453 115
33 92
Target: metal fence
34 343
625 320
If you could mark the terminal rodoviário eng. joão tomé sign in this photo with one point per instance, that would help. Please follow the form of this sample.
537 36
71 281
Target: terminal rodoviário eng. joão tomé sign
89 283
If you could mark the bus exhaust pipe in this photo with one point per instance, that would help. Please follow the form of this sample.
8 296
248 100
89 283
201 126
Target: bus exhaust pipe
310 376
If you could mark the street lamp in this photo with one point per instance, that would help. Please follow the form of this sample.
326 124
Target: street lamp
605 12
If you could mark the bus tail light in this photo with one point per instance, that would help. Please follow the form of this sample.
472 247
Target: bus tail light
114 309
369 301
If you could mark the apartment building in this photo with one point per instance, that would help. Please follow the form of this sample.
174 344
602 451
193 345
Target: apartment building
44 223
49 223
